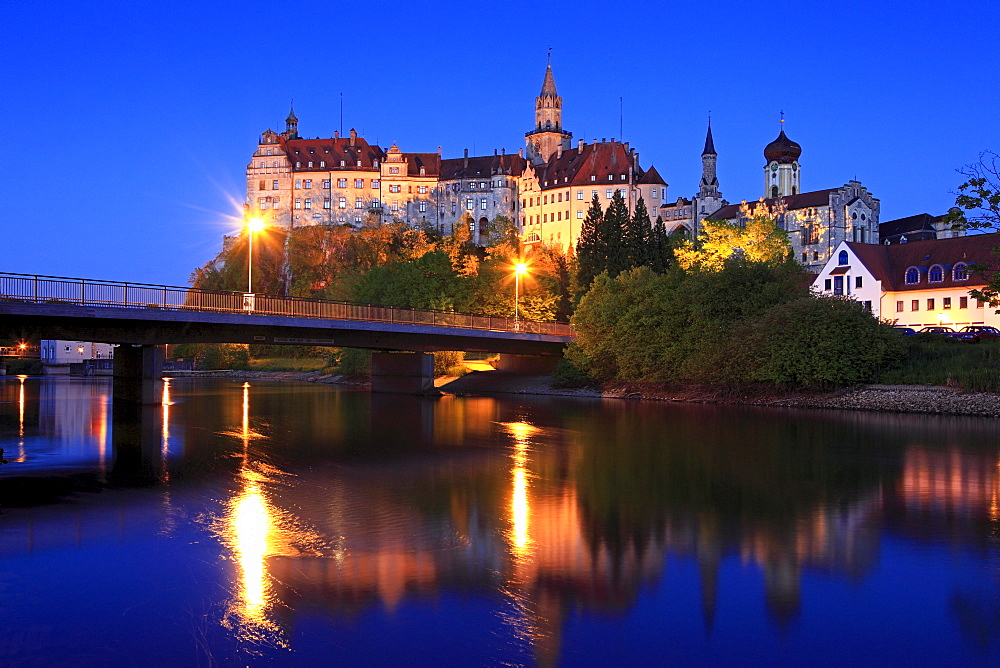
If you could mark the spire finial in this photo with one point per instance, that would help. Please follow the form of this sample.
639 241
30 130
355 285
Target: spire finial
782 121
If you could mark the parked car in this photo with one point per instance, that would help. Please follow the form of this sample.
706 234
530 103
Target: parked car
977 333
938 329
904 331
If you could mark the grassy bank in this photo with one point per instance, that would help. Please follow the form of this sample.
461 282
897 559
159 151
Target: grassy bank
288 364
936 360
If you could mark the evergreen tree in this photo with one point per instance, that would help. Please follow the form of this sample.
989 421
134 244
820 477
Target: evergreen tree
611 233
636 237
591 252
660 251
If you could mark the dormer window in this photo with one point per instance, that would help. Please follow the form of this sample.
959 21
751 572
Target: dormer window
359 163
842 258
593 177
960 272
343 164
936 274
912 276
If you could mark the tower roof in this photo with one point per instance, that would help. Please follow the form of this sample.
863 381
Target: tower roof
291 116
782 150
549 83
709 144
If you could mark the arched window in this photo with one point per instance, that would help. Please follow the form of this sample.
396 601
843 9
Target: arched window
774 191
936 274
961 272
912 276
842 258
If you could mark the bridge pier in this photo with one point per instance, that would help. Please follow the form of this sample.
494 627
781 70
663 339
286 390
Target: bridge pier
137 372
403 373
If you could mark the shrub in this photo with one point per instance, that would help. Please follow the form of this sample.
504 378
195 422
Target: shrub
820 341
448 361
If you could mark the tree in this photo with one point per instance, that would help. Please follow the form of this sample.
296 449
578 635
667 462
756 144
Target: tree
636 237
612 230
759 240
661 252
590 251
979 195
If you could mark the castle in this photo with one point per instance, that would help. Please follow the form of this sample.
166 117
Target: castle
545 188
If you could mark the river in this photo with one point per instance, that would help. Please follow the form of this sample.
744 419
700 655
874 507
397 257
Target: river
270 523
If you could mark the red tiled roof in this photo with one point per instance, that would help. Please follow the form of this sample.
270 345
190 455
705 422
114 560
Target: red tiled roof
791 202
332 151
481 167
652 177
575 166
430 162
889 263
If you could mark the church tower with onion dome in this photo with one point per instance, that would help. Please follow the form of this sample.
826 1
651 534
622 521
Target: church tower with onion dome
782 171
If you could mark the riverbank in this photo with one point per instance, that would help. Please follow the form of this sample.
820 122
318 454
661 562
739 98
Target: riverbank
935 400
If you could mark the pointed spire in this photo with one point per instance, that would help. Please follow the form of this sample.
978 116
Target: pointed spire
291 113
709 143
549 83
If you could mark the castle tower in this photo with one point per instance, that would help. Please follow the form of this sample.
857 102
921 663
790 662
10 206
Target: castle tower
548 135
782 172
291 125
709 188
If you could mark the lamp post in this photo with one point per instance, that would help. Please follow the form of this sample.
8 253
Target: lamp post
519 268
254 224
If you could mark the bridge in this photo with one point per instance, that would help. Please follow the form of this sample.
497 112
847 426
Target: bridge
141 317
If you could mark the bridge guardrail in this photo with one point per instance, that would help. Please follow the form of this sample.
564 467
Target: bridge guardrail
85 292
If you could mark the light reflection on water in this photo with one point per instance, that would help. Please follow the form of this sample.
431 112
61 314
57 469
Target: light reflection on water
535 531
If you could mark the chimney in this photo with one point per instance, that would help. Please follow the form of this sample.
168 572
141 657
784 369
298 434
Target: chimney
635 162
604 139
520 152
559 150
439 151
494 152
354 136
466 163
503 151
579 145
336 134
626 146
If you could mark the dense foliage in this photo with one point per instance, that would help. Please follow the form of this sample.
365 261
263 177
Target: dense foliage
978 201
747 322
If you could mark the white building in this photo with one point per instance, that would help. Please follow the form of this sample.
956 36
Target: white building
916 284
58 355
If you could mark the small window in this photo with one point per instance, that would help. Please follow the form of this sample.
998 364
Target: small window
341 183
579 213
307 184
899 307
274 185
298 203
946 302
359 183
309 203
609 194
936 274
912 276
579 194
930 304
960 272
915 305
963 302
342 203
827 284
298 184
842 258
326 203
326 183
857 282
394 170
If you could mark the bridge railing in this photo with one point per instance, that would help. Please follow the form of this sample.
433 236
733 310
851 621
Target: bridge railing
85 292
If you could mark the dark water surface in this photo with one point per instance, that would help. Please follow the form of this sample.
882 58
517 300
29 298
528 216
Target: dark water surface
303 525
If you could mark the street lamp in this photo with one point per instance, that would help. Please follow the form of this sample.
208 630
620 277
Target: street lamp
519 268
254 224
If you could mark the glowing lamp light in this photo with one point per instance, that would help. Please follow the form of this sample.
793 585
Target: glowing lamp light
519 268
255 224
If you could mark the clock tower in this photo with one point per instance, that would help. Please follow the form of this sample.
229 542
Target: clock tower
782 171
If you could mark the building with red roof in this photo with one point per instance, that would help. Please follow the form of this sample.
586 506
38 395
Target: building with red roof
916 284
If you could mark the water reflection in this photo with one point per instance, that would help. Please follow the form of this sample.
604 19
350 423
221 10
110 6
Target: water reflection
556 515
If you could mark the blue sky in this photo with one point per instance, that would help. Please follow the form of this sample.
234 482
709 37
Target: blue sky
129 125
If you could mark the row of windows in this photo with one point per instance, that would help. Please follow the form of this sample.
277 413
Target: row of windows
558 197
963 302
552 217
838 284
960 272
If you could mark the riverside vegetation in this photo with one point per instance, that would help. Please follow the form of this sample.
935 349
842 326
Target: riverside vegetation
728 309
